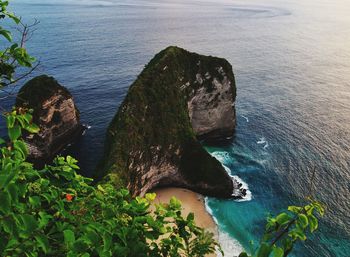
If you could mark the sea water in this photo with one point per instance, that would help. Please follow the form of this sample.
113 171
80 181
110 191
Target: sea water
291 60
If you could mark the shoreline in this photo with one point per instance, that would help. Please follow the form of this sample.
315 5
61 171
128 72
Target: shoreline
191 202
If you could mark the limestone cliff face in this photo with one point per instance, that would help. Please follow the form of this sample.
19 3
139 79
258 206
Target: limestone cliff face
211 106
54 112
152 141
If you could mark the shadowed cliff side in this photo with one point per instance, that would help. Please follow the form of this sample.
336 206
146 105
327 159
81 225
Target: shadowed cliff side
152 141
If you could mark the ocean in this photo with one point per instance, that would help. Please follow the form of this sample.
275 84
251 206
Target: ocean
291 60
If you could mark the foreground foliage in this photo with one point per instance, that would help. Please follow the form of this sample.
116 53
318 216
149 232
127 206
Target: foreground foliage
56 212
286 229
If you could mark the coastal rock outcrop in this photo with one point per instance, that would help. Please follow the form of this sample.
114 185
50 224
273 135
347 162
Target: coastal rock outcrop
153 139
54 112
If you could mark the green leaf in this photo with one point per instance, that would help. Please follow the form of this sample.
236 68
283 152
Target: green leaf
14 133
93 237
7 175
44 219
277 252
264 250
80 245
283 218
2 141
35 201
298 233
9 225
319 207
99 187
13 191
32 128
69 237
303 220
14 17
43 243
243 254
295 209
6 34
287 244
313 223
190 217
175 203
22 147
28 224
5 202
27 117
10 121
150 196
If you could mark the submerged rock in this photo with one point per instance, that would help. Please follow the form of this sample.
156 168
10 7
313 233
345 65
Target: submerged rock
152 141
54 112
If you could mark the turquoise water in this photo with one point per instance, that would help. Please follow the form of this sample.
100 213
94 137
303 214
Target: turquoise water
292 65
250 156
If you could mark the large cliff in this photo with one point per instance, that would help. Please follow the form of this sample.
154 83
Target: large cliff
54 112
152 141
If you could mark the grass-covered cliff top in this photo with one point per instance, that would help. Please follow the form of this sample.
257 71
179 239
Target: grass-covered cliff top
39 89
153 123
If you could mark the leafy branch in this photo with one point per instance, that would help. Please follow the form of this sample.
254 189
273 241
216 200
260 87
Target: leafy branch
15 55
283 231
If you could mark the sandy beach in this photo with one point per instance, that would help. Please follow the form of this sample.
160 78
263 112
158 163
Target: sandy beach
191 202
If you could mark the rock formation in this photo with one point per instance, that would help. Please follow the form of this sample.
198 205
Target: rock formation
152 141
54 112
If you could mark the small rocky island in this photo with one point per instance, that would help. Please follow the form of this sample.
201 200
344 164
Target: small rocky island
179 98
54 112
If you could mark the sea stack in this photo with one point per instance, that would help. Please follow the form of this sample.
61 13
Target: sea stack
54 112
178 98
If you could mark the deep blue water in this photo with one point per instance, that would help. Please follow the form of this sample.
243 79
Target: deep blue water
292 65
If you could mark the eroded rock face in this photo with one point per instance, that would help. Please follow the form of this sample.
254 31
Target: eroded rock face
54 112
152 141
212 111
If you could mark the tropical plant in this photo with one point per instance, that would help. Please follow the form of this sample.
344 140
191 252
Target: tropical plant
284 230
57 212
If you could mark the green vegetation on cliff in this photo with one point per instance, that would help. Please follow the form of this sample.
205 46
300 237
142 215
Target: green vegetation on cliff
154 120
38 90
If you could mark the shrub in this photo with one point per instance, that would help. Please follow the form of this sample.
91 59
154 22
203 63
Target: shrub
57 212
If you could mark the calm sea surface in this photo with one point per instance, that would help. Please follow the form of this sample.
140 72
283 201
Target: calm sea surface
292 65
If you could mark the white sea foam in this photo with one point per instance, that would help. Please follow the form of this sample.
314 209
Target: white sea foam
237 180
229 245
248 196
245 117
266 145
86 127
221 156
263 141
